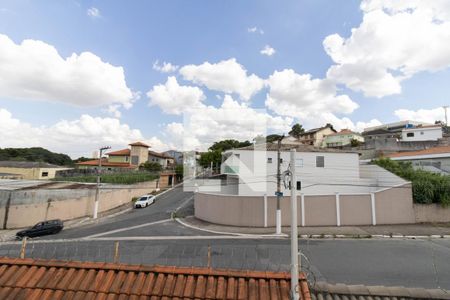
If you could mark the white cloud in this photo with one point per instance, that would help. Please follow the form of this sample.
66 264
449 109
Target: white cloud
35 70
173 98
395 40
232 120
267 50
255 30
79 137
422 115
93 12
313 102
166 67
226 76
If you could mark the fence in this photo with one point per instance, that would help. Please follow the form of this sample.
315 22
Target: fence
389 206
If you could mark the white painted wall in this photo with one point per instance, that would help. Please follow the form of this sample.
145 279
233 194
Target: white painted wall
258 176
422 134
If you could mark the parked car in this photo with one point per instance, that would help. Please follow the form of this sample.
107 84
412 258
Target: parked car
144 201
42 228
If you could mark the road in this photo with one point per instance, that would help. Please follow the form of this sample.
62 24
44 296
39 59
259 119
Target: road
149 236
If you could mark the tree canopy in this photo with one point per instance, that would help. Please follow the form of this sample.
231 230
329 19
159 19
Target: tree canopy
228 144
37 154
214 156
297 130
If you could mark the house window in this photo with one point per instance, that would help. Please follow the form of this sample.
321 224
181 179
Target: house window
320 161
281 160
135 160
410 134
299 185
44 174
127 158
269 160
421 133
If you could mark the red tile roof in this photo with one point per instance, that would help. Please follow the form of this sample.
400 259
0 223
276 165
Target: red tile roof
139 144
48 279
119 152
434 150
105 164
157 154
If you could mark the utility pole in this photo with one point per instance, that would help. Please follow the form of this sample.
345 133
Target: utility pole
294 233
445 107
278 215
97 190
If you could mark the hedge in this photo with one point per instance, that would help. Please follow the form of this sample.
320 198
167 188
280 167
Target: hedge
427 187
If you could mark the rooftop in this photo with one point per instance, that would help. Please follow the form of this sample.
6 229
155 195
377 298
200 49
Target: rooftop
342 132
157 154
399 124
50 279
119 152
139 144
430 151
27 164
288 147
105 163
313 130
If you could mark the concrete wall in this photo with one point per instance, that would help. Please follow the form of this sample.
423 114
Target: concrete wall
32 173
426 213
392 206
31 206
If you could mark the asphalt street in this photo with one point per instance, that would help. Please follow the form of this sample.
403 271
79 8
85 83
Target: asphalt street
149 236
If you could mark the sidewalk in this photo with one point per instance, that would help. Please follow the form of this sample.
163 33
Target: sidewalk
406 230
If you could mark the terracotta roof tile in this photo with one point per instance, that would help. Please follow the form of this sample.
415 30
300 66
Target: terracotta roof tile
119 152
50 279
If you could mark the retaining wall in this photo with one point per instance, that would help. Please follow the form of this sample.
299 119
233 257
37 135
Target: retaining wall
389 206
31 206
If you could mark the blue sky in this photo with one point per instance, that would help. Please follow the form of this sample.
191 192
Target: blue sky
135 34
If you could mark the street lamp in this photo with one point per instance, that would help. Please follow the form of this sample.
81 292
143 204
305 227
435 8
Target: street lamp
95 214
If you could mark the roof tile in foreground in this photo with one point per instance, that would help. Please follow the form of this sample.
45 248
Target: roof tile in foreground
49 279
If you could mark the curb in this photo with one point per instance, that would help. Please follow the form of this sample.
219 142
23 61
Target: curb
319 236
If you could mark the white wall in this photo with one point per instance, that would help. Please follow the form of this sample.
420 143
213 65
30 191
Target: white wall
422 134
257 176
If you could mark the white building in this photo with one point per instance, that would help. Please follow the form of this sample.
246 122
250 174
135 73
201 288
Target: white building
422 133
319 171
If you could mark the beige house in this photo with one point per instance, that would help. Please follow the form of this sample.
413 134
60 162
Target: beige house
29 169
313 137
341 139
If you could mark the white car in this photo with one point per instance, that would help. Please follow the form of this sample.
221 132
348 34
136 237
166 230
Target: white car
144 201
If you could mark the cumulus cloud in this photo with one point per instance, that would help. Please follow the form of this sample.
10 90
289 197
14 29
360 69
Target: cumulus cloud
232 120
166 67
227 76
35 70
422 115
173 98
267 50
79 137
93 12
255 30
313 102
395 40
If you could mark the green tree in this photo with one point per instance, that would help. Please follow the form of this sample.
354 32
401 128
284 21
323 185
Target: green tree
271 138
214 156
297 130
355 143
179 171
225 145
151 166
37 154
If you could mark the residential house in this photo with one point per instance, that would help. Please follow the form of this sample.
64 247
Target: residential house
435 159
251 171
391 130
30 170
164 160
315 136
177 156
341 139
422 133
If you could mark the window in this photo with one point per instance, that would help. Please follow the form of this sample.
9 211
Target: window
281 160
127 158
421 133
299 185
135 160
44 174
410 134
269 160
320 161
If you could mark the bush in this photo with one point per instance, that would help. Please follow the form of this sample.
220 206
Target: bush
427 187
124 178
